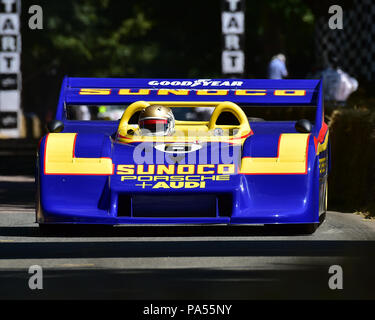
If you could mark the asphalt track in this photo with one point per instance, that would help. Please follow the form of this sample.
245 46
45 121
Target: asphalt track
180 262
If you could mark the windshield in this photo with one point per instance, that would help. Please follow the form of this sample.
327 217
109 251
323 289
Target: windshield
94 112
115 112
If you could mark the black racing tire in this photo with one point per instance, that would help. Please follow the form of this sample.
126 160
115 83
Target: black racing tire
294 229
326 198
304 228
47 229
71 229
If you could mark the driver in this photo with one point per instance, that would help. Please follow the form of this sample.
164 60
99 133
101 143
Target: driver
156 120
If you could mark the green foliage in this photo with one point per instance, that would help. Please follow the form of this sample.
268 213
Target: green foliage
147 38
364 97
90 38
274 26
351 182
143 38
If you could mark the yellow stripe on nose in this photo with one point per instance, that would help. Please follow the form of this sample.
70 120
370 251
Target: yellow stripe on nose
292 157
59 158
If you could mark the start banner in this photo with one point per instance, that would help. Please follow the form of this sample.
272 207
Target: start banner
233 30
10 68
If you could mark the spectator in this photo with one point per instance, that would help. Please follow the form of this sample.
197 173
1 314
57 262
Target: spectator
82 113
337 84
277 68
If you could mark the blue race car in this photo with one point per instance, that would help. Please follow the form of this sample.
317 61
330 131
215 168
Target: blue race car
152 167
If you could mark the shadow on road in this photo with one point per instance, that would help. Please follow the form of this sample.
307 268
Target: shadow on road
185 248
280 281
17 161
135 231
17 156
17 193
207 283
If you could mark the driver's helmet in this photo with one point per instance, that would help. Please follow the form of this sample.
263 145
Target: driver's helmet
156 120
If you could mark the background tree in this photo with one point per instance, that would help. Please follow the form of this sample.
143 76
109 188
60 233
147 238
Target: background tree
153 39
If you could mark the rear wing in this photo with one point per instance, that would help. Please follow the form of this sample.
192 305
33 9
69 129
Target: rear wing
242 91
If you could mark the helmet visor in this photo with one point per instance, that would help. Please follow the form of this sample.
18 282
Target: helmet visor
154 125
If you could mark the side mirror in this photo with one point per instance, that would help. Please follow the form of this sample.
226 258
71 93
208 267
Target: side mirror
55 126
303 126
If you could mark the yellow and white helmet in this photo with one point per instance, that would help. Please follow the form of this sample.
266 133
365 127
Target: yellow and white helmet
156 120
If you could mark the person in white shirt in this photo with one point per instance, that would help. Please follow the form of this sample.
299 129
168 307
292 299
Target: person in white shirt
277 68
337 84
